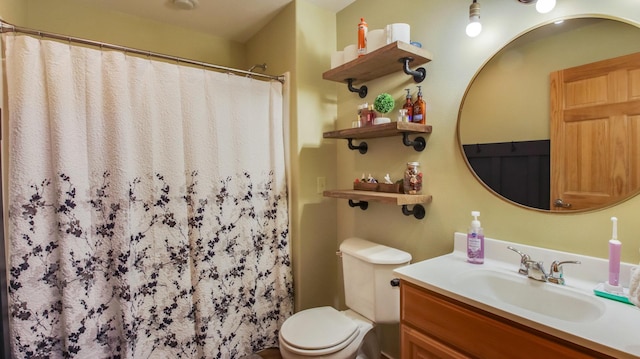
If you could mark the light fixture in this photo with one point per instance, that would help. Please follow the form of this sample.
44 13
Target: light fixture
185 4
542 6
474 27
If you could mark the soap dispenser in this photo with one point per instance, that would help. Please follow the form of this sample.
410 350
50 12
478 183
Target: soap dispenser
475 241
419 114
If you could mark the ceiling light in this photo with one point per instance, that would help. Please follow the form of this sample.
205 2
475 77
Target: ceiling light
544 6
474 27
185 4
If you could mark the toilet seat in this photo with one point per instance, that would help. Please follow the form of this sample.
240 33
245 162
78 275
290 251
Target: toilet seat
318 331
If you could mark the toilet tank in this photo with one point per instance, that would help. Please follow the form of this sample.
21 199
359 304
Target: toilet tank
367 269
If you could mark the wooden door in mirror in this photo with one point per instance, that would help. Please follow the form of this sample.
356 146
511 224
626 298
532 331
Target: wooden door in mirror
595 133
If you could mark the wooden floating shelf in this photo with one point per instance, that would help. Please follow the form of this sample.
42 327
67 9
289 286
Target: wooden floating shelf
381 62
381 197
383 130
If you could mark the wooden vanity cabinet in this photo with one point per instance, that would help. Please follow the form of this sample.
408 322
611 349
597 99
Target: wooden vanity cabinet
436 326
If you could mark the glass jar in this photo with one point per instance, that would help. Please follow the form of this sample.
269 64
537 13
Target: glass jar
412 182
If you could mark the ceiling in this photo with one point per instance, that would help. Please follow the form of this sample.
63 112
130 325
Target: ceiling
236 20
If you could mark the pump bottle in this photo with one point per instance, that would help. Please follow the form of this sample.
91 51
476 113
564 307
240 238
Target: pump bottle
419 109
408 105
475 241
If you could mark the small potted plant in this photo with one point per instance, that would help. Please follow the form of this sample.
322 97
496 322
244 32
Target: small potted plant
383 104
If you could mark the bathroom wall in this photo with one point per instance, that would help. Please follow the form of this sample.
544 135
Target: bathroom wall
14 9
313 110
83 19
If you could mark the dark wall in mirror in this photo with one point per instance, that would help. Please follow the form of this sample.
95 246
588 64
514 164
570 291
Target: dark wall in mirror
503 124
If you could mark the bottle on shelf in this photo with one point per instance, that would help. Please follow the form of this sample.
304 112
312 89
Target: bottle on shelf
419 109
363 111
371 115
408 105
403 116
362 37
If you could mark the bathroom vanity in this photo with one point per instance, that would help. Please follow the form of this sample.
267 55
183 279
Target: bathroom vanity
454 309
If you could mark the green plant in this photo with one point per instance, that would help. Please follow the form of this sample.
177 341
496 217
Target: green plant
384 103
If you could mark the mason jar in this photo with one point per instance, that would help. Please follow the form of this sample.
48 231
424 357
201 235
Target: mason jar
412 181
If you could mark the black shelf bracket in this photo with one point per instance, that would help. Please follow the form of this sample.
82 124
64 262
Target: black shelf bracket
418 144
362 91
418 75
362 147
418 211
362 204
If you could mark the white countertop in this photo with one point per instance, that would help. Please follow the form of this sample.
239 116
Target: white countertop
616 332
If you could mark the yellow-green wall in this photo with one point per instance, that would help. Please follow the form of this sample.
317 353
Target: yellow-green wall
315 232
300 40
82 19
14 10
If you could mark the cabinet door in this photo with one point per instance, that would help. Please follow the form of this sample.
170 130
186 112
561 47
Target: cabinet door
416 345
477 333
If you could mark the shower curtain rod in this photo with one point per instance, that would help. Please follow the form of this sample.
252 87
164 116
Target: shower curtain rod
6 27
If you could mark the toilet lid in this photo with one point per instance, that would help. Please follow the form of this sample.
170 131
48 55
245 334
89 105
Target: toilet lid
318 328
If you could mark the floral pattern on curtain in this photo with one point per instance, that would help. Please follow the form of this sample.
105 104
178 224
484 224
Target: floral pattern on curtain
169 241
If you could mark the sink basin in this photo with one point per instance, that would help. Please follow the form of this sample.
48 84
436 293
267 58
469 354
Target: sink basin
547 299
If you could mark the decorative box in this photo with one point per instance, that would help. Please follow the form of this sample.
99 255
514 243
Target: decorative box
365 186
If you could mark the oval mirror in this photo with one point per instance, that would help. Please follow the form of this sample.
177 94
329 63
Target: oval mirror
552 121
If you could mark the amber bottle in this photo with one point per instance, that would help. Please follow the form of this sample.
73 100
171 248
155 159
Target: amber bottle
408 105
371 115
419 109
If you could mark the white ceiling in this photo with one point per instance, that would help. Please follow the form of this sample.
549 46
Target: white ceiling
236 20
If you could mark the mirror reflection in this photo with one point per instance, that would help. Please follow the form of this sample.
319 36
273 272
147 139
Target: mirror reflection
552 121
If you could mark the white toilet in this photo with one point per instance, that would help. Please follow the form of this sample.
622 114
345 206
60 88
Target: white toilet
325 332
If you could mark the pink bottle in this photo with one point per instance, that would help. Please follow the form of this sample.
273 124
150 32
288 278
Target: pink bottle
614 255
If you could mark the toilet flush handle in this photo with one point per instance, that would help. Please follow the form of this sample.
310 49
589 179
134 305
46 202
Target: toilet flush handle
395 282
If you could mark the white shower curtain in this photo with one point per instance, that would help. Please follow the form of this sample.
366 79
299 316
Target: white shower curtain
148 207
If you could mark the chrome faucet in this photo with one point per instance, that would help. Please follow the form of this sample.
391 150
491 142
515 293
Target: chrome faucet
535 269
524 260
556 272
